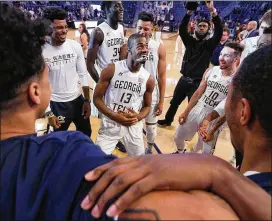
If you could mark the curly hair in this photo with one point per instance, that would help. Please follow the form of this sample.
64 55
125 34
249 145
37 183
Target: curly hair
21 51
54 13
253 81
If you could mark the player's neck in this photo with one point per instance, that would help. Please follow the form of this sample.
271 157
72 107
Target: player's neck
54 42
257 156
134 68
17 124
112 23
228 71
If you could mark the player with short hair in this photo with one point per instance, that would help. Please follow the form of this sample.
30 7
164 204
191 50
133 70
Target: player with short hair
127 90
67 68
156 66
213 89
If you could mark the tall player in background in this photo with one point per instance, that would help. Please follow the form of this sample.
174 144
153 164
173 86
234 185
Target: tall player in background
127 90
106 46
212 90
156 66
106 41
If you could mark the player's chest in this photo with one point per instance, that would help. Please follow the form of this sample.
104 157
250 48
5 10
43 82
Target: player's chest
61 59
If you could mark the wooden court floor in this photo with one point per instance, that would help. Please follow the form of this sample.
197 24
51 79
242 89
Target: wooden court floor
164 140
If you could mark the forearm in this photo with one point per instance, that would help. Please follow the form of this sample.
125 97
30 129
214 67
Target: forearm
93 72
193 102
219 122
162 83
100 105
86 92
143 113
247 199
183 32
212 116
218 29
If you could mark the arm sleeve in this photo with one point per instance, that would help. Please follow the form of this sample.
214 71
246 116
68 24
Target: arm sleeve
81 65
220 108
218 31
183 31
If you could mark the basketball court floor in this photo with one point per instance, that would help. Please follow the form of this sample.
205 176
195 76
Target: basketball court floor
165 137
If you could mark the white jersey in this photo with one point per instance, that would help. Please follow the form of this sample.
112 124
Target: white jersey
151 65
67 68
250 45
217 88
126 89
109 50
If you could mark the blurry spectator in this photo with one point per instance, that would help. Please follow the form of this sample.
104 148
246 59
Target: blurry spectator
251 29
216 53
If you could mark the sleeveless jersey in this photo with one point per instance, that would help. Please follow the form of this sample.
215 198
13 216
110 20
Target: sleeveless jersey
151 65
217 87
109 50
126 89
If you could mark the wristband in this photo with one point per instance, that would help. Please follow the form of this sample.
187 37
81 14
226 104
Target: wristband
87 100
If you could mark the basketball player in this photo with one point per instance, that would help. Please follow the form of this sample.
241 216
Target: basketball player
127 88
105 42
156 66
67 67
250 44
213 89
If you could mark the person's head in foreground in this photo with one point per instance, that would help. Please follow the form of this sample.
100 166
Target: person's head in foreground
248 109
265 38
265 21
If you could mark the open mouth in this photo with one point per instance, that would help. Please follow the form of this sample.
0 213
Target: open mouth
142 58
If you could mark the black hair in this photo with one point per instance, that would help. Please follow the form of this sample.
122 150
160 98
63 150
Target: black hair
236 46
145 16
21 51
54 13
105 5
133 38
253 81
267 30
205 21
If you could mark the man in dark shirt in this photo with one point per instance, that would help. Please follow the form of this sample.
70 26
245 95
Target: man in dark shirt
199 49
215 56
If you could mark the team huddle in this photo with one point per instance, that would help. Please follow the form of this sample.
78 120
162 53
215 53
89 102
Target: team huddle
63 175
